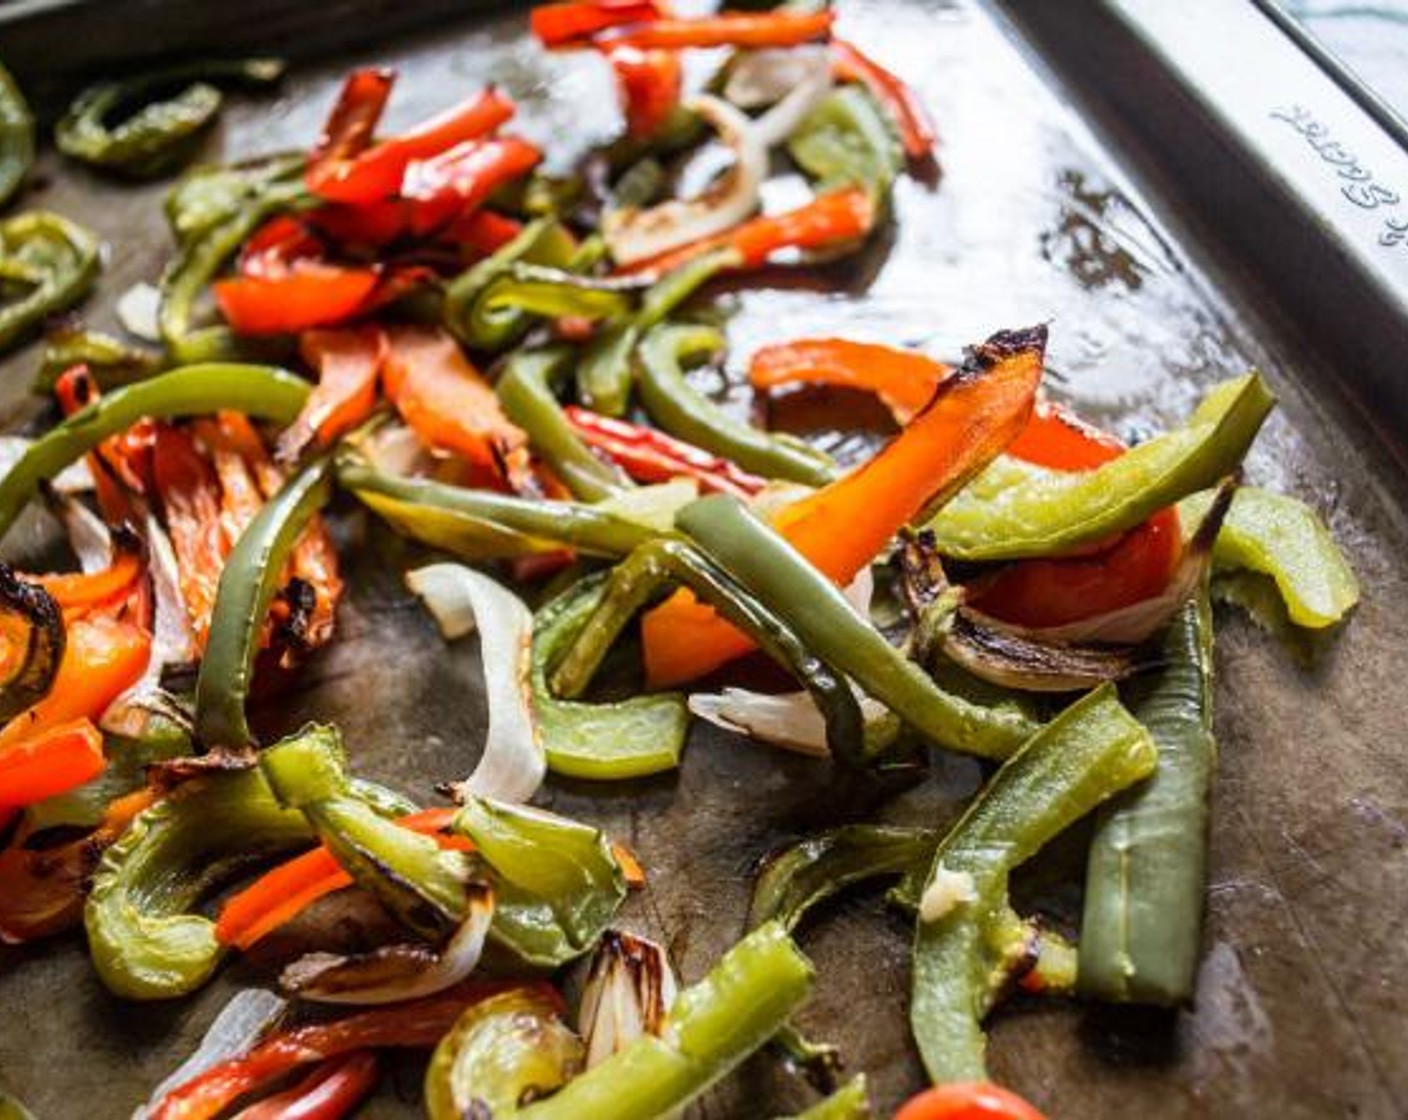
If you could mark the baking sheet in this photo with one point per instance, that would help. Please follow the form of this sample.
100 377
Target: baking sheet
1300 1009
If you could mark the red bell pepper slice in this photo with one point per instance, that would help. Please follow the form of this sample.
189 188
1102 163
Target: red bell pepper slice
378 172
574 22
649 455
827 221
649 83
968 1100
482 232
83 593
190 499
419 1024
842 526
311 294
750 30
50 762
348 361
1056 437
903 379
125 456
916 129
332 1090
460 179
350 125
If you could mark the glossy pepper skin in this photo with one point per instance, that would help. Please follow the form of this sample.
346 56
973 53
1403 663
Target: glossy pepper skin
16 137
962 956
51 261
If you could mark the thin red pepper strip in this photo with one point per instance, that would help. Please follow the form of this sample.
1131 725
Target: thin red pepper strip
50 762
350 126
968 1100
916 129
727 29
649 455
79 593
417 1024
348 361
285 891
574 22
828 221
378 172
332 1090
649 82
443 186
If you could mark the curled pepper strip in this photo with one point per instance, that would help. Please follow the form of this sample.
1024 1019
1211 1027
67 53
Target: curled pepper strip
16 137
911 118
111 362
247 584
967 935
47 264
159 135
263 392
332 1090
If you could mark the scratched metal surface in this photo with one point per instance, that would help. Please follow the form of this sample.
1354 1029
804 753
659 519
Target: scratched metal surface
1300 1009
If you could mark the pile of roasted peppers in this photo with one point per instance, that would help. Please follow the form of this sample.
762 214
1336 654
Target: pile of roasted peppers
494 361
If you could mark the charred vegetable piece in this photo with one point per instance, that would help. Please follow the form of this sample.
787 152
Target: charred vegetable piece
153 136
604 372
423 886
805 874
965 937
145 939
1147 874
47 264
661 563
713 1026
1014 510
1283 539
246 590
528 392
684 412
782 579
481 524
34 638
505 1052
623 739
844 142
16 137
557 884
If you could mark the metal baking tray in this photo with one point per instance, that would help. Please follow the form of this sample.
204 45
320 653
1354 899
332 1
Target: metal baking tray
1170 186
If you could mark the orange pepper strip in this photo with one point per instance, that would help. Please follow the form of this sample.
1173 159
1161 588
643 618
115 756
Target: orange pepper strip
968 1100
283 892
904 380
727 29
449 404
51 761
79 594
841 527
649 85
574 22
348 362
916 130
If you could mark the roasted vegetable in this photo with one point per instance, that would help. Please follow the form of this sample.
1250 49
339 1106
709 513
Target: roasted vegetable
47 264
16 137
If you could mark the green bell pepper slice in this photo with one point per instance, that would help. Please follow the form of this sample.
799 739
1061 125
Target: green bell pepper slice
11 1108
1014 509
243 596
682 411
207 197
713 1026
783 581
845 142
111 362
544 242
16 137
629 738
850 1102
262 392
1283 539
47 264
1147 872
962 956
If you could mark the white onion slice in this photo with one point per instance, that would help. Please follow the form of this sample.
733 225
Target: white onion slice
396 972
635 235
513 763
138 310
766 76
813 84
789 720
242 1022
860 591
628 993
73 479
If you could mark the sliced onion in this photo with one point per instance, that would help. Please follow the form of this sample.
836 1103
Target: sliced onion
628 993
396 449
75 478
812 86
765 77
513 763
396 972
789 720
1014 658
250 1015
635 235
138 310
860 591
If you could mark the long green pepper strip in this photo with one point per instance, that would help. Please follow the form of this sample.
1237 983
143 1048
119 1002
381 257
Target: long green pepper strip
242 599
782 579
1147 875
112 362
680 410
844 142
47 264
604 373
16 137
544 242
850 1102
629 738
1089 753
713 1026
527 390
261 392
1014 510
662 563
